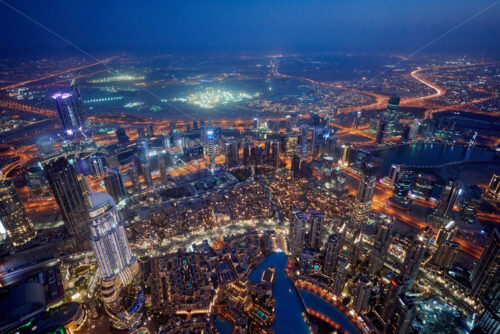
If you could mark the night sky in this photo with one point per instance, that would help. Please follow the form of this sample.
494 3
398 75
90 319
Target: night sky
270 26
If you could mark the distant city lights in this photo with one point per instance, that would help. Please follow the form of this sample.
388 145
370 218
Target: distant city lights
211 98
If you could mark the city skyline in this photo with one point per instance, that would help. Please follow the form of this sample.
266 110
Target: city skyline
251 167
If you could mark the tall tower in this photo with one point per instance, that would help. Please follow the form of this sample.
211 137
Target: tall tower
363 292
333 248
397 286
449 197
121 136
447 232
364 198
487 269
381 245
146 172
13 215
71 195
162 164
445 254
71 115
211 149
114 184
134 177
489 322
275 153
78 103
413 259
231 153
340 277
402 186
108 239
402 315
391 116
317 229
296 233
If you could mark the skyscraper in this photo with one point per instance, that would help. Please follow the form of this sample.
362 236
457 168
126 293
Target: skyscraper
397 286
402 315
449 197
402 186
296 165
121 136
413 259
379 138
70 110
231 153
333 248
296 233
162 164
381 245
471 203
71 195
391 117
275 153
146 172
108 239
489 322
114 184
13 215
211 149
340 277
364 198
487 269
494 187
445 254
317 229
150 129
78 103
446 232
133 174
363 292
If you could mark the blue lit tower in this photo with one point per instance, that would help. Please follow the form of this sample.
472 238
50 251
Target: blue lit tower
402 186
117 265
211 149
70 112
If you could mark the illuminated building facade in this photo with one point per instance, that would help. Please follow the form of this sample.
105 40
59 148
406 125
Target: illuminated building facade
487 270
333 248
494 187
445 254
364 197
449 197
391 117
381 245
114 184
70 193
70 111
210 147
296 233
402 186
13 216
117 265
413 259
317 229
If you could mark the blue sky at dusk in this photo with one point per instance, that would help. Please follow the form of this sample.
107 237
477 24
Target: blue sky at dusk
336 26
